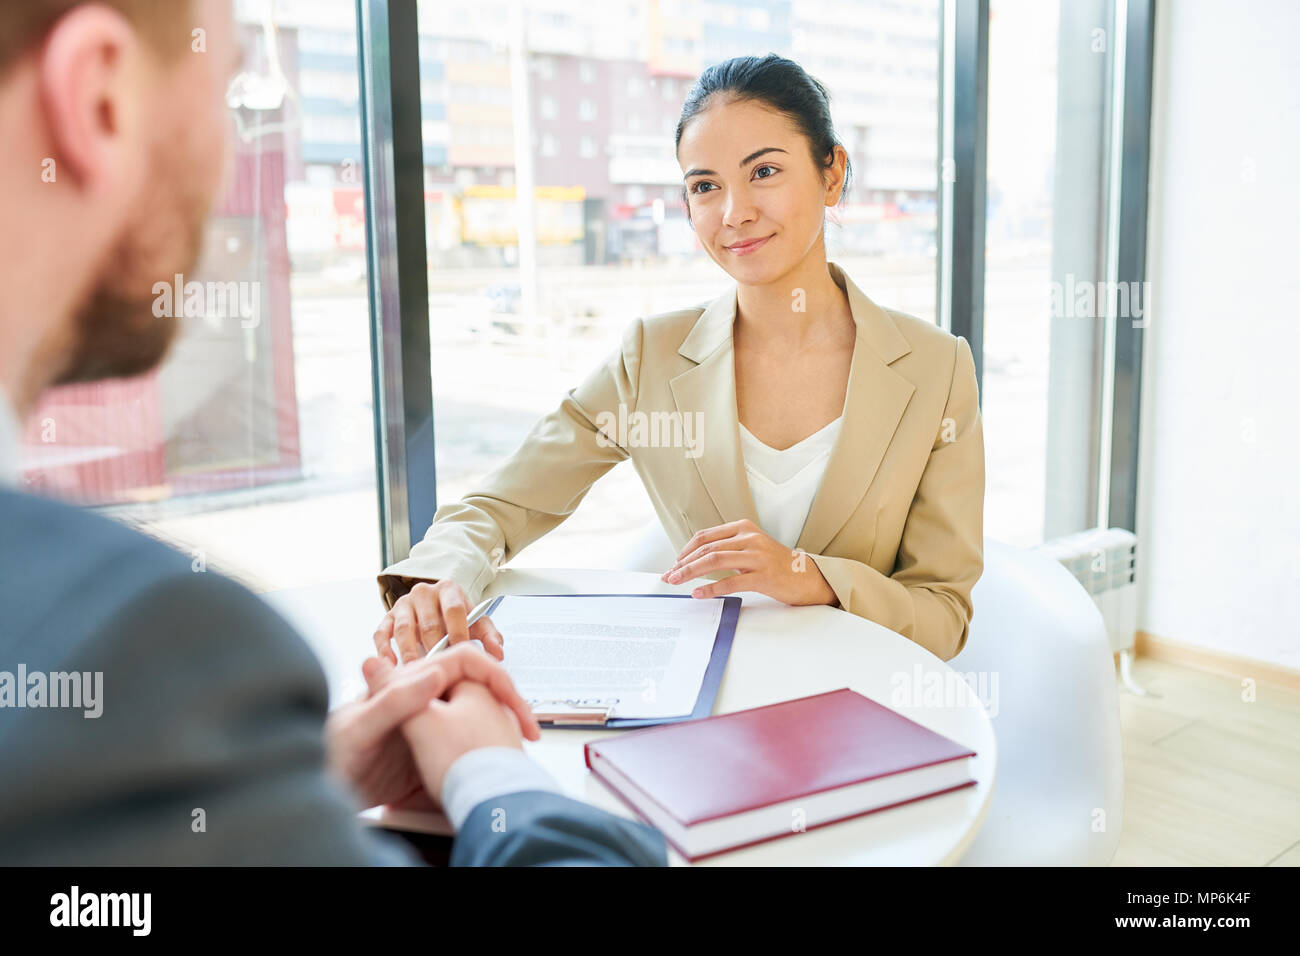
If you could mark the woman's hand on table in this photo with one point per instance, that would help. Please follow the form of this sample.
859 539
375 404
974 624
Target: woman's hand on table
420 619
764 564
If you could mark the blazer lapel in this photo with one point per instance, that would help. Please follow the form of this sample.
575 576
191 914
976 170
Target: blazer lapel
873 407
710 388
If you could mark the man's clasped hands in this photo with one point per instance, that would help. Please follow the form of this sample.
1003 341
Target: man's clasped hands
418 716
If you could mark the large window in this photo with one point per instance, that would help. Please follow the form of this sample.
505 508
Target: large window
252 448
576 104
1048 70
552 218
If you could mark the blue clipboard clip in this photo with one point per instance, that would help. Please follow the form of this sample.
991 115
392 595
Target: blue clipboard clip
584 711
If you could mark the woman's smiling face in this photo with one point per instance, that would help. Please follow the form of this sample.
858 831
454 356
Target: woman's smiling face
756 198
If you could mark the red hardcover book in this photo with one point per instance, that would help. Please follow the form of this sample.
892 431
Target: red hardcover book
730 781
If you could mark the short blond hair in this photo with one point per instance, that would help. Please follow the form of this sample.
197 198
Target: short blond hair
163 24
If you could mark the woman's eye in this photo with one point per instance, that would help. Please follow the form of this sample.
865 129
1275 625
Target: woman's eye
699 187
772 169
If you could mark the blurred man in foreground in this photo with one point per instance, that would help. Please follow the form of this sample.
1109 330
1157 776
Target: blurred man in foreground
204 703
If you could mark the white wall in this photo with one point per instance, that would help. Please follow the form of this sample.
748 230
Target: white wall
1219 479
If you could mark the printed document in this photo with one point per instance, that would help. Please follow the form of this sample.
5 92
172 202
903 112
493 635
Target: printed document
642 656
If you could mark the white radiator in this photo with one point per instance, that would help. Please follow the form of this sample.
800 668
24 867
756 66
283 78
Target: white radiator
1104 561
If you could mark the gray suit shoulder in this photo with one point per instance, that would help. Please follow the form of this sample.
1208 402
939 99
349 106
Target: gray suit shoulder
207 747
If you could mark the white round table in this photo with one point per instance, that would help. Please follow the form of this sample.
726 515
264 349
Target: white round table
780 652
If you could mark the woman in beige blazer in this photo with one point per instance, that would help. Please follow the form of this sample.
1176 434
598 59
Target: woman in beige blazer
894 532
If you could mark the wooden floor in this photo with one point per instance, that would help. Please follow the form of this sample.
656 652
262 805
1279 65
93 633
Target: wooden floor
1209 779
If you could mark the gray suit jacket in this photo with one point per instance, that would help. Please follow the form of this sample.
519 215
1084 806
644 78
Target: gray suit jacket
212 711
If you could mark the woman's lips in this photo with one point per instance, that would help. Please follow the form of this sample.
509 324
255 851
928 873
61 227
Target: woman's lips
745 248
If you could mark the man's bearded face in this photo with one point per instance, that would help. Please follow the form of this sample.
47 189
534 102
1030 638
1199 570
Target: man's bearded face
116 331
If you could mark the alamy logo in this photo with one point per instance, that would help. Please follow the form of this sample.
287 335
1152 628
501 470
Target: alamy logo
637 429
1085 299
213 301
102 909
82 690
949 689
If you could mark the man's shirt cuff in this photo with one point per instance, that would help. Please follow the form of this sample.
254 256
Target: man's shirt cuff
488 773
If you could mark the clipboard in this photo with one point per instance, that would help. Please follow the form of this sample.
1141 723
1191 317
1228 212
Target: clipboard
569 715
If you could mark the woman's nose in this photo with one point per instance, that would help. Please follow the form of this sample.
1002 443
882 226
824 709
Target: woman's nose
737 210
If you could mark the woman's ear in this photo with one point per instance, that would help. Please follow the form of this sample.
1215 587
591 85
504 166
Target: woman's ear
835 175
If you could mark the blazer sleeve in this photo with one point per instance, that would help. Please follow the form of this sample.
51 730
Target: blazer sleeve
927 598
547 829
533 490
208 750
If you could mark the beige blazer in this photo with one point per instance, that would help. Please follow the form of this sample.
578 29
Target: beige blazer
896 527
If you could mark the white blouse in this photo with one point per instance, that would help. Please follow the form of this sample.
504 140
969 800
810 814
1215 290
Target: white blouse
784 481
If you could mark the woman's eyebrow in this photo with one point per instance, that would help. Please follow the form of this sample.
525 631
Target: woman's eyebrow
743 163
